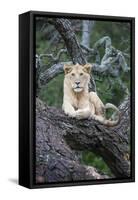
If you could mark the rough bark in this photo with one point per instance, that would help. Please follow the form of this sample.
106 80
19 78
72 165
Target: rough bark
55 161
64 28
57 136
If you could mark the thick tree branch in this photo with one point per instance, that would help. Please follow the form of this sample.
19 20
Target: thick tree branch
55 70
50 73
55 161
64 28
57 136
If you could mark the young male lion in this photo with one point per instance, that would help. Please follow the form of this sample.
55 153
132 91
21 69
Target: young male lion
78 102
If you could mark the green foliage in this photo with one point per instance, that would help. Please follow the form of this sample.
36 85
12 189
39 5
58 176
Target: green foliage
118 32
91 159
53 93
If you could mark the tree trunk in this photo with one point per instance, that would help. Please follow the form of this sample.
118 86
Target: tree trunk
86 30
57 136
64 28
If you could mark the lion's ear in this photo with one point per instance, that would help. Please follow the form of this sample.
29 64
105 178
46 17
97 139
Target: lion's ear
87 68
67 68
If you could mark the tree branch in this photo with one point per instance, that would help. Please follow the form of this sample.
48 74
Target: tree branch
111 63
63 26
54 58
57 69
57 136
50 73
55 161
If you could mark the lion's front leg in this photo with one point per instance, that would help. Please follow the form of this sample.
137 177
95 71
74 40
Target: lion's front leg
68 109
79 114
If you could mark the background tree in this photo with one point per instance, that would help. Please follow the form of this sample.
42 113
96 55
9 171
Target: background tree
104 151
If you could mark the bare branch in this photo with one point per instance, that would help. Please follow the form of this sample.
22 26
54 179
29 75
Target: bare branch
50 73
113 59
54 58
88 50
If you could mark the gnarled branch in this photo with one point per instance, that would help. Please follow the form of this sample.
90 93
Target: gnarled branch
64 28
57 135
52 57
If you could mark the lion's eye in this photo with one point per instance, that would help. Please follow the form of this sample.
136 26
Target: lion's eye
73 74
81 74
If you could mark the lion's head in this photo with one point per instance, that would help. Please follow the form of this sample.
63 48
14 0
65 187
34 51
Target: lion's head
78 76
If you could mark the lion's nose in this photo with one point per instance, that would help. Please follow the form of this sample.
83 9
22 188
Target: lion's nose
77 82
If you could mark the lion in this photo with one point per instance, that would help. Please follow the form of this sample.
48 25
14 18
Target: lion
78 102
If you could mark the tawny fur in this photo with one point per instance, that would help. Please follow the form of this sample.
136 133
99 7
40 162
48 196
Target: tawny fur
78 102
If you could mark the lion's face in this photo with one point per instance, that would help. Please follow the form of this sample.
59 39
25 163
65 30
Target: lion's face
78 76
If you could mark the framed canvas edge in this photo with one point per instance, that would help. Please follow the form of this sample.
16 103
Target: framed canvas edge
33 14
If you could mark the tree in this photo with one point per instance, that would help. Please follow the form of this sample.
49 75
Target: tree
59 137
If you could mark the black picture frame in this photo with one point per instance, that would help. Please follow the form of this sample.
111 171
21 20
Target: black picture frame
27 88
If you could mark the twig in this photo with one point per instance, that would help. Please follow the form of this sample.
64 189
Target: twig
54 58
